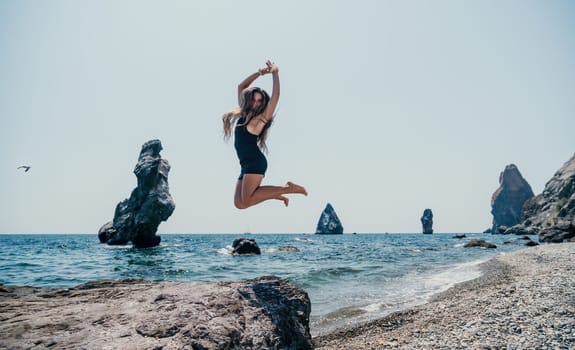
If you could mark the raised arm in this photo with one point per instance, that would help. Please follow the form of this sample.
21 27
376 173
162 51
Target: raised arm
270 109
248 81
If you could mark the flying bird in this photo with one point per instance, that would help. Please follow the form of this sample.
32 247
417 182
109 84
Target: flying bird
25 167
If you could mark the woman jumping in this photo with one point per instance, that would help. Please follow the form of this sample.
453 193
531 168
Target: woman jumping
251 122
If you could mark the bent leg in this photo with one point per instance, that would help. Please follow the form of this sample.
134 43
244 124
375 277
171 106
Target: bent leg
249 191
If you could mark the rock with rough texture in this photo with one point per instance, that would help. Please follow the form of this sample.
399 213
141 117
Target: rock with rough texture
507 201
551 214
264 313
137 219
427 221
525 240
329 222
479 243
245 246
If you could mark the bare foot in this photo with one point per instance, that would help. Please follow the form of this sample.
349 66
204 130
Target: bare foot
284 199
293 188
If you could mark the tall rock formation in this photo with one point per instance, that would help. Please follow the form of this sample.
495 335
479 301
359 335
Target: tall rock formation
507 201
427 221
551 214
137 219
329 222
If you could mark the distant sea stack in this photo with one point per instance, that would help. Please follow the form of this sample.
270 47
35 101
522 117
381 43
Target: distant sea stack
507 201
551 214
427 221
329 222
137 219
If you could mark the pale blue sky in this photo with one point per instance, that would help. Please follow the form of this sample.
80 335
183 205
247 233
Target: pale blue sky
387 108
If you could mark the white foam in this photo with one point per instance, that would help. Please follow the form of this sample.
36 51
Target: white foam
430 284
225 251
417 288
117 246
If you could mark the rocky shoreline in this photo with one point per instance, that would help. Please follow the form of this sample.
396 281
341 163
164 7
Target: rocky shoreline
524 300
264 313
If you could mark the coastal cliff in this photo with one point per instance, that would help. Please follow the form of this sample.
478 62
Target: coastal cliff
551 214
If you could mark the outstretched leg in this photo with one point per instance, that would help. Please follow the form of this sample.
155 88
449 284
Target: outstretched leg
250 192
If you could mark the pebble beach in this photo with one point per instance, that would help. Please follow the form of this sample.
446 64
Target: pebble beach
523 300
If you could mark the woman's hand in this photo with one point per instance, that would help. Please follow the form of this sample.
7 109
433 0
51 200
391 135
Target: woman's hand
272 67
264 71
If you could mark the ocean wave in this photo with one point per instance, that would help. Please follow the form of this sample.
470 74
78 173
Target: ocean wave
227 250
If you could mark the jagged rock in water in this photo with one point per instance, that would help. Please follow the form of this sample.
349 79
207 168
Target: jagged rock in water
551 214
329 222
137 219
264 313
479 243
427 221
508 200
245 246
106 231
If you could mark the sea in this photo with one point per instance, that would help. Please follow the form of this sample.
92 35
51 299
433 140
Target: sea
350 278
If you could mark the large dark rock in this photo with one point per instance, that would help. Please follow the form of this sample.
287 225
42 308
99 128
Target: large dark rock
427 221
479 243
508 200
329 222
245 246
525 240
137 219
264 313
551 214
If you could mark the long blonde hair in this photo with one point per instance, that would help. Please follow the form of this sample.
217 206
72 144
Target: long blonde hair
245 110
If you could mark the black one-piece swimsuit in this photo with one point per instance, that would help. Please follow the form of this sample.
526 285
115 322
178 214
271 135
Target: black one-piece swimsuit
252 160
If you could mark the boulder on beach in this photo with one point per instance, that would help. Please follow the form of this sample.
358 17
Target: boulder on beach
245 246
137 218
264 313
507 201
427 221
525 240
328 222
